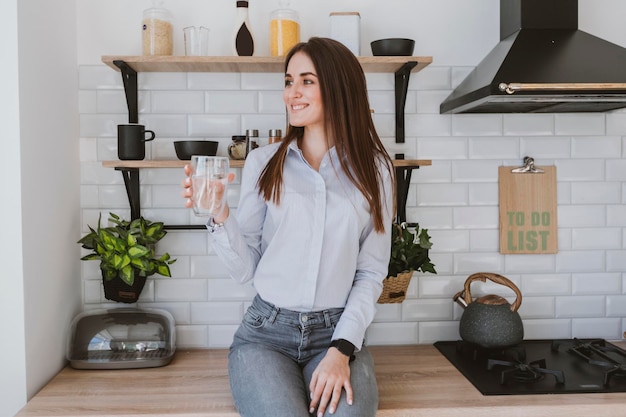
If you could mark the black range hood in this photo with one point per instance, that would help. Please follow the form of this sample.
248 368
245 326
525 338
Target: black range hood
543 64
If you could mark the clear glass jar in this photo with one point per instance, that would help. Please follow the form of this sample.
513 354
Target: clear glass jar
252 136
157 31
238 149
284 30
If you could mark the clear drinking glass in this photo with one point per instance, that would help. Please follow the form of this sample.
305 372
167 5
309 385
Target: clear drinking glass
196 41
209 178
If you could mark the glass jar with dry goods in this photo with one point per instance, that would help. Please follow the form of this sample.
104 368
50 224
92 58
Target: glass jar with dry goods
284 30
157 31
238 148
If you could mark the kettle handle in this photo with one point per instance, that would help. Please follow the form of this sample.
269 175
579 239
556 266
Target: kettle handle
498 279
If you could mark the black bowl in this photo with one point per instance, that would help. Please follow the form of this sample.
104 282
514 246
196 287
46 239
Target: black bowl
186 148
393 47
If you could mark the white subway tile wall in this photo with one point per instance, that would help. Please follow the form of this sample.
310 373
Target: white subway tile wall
579 292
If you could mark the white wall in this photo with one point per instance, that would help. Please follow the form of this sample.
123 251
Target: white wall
12 348
50 177
603 18
40 289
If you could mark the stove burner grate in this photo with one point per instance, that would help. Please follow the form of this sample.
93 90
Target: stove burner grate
597 352
525 372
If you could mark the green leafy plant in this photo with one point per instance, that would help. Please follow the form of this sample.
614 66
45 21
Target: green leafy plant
126 250
409 251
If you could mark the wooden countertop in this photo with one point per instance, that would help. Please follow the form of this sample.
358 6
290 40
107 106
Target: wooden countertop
412 380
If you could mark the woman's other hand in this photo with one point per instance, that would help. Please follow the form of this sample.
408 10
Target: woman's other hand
331 376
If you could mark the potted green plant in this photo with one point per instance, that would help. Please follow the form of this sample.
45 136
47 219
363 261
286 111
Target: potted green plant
409 253
126 254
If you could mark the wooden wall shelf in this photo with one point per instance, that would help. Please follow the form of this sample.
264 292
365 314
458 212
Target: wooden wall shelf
176 163
248 63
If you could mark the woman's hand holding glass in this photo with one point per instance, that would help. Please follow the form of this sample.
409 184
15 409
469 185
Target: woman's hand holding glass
205 188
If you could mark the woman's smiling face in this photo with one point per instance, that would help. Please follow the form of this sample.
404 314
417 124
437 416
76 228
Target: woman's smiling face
302 94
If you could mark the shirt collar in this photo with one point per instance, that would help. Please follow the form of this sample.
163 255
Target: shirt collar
294 148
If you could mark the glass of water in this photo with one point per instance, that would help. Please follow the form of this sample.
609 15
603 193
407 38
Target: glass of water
209 179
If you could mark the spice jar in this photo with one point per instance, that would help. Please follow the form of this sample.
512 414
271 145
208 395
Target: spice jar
275 136
284 30
238 149
157 32
252 136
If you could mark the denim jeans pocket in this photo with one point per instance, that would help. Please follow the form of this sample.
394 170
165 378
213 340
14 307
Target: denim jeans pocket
254 318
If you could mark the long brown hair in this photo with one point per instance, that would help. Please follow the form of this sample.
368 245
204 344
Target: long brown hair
347 120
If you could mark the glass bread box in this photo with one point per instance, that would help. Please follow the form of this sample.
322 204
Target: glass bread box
121 338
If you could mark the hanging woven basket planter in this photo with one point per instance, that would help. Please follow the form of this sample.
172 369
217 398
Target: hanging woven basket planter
394 288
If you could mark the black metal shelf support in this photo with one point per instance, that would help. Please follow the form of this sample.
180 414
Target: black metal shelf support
403 174
402 77
131 182
129 78
185 227
403 182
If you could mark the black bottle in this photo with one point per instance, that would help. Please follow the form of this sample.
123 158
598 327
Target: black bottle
244 41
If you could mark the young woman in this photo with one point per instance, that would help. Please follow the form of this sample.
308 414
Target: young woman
312 233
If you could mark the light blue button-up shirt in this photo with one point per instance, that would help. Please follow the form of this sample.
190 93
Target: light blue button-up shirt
316 250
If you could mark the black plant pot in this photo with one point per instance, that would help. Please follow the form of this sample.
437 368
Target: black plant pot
118 290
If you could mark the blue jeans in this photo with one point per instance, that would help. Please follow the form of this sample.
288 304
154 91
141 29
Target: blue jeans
274 354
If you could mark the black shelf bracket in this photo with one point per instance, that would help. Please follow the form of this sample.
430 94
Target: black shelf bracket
403 174
402 77
403 182
131 181
185 227
129 78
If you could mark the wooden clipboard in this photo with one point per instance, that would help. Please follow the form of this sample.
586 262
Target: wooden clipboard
528 209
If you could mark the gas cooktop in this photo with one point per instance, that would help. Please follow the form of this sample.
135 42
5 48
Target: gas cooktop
564 366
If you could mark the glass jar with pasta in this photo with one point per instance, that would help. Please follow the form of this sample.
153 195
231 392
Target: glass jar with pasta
157 31
284 30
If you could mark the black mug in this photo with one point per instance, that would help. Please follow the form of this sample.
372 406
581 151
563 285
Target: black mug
131 141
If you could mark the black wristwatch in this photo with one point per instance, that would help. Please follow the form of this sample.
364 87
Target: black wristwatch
344 347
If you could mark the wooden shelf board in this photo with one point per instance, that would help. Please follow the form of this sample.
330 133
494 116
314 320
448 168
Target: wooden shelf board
173 163
248 64
398 163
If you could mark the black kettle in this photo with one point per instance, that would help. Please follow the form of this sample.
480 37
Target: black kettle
490 321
